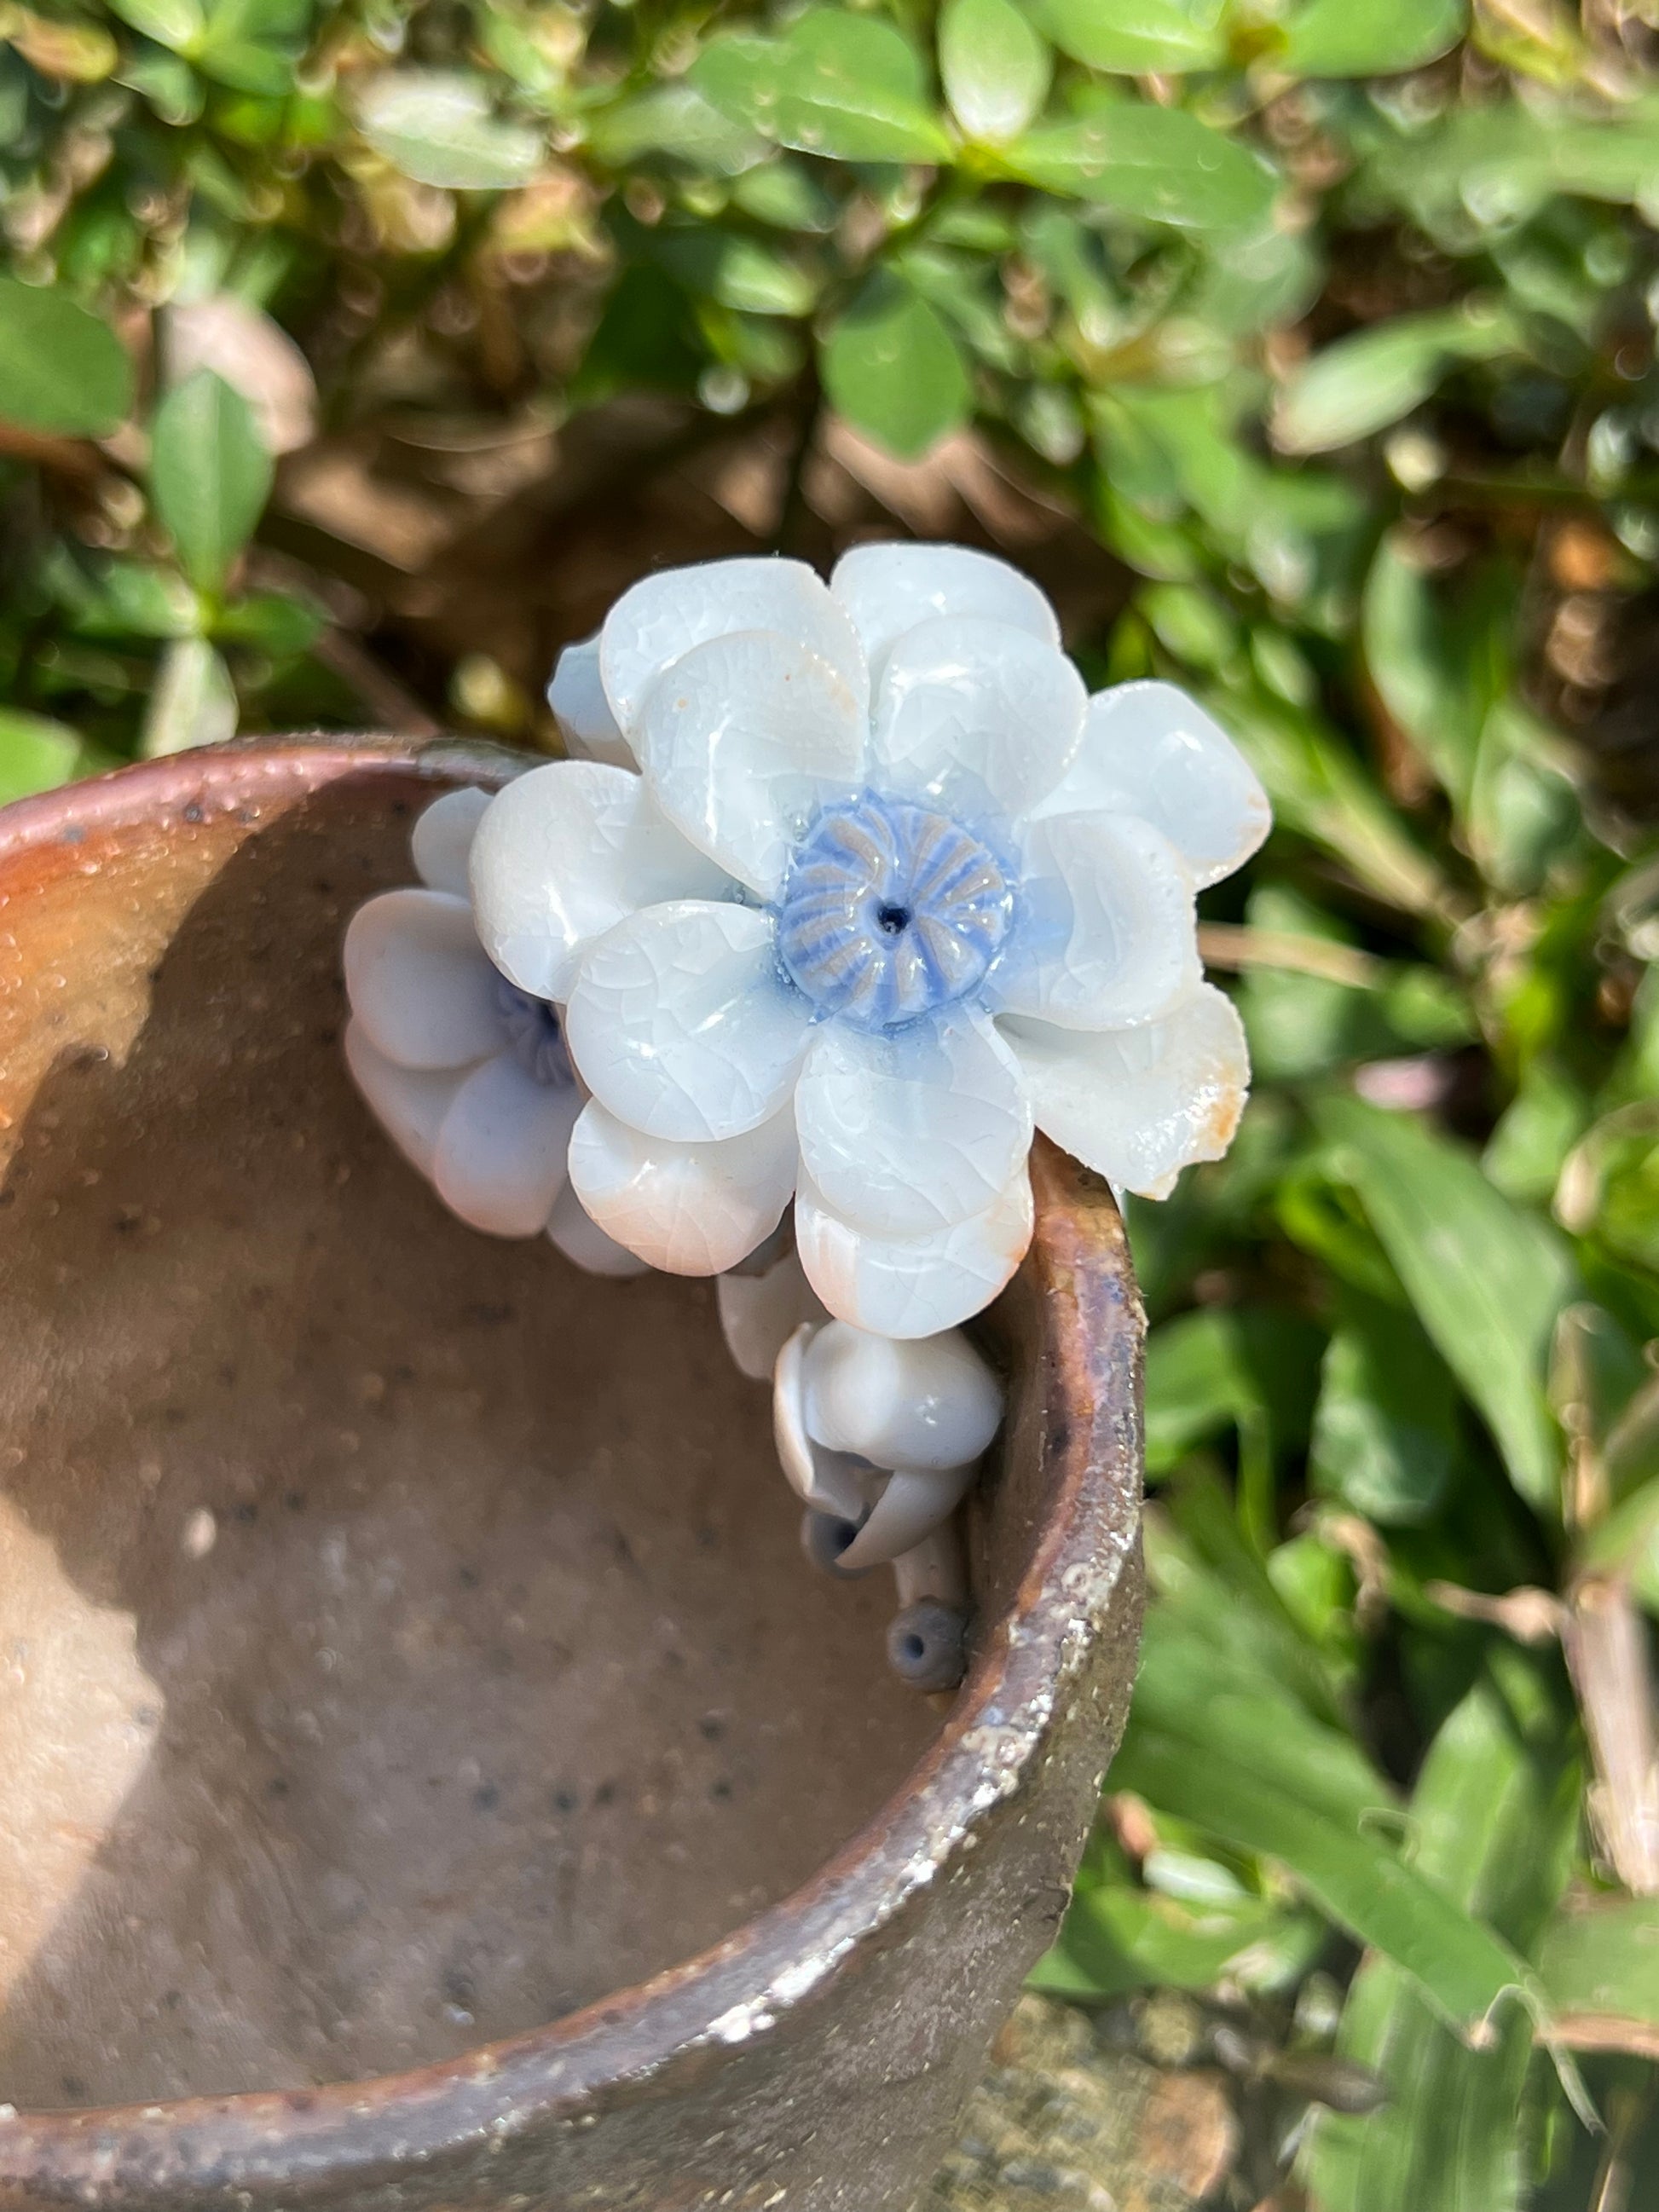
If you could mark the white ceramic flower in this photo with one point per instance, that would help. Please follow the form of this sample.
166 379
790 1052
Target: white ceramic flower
886 890
468 1074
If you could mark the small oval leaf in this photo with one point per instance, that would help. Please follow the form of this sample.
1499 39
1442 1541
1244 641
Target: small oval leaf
62 372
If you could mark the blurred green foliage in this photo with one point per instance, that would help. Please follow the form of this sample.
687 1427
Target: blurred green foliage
1329 326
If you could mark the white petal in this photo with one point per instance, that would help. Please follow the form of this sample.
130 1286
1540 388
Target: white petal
915 1502
688 1209
442 839
918 1286
1149 750
1138 1105
409 1103
584 1242
682 1022
563 855
743 739
978 716
825 1480
418 982
931 1402
500 1161
664 617
1106 931
907 1131
888 589
576 695
759 1314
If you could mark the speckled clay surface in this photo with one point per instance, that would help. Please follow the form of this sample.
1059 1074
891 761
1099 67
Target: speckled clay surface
404 1641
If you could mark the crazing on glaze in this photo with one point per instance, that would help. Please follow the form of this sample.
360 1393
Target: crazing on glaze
846 890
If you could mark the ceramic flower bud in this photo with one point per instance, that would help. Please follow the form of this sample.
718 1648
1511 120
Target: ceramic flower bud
881 1432
468 1073
854 887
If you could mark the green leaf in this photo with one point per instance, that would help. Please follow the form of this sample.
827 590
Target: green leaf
1317 786
1228 1775
1486 1278
62 372
1337 38
1160 164
1534 1134
1599 1964
892 368
676 120
737 271
35 753
248 68
1385 1433
267 621
851 87
175 23
1497 1821
995 67
438 127
193 701
1118 1937
1438 671
1136 37
1364 382
210 473
1195 1386
130 598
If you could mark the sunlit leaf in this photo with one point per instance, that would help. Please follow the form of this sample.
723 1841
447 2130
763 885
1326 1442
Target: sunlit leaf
175 23
994 66
1366 381
210 473
674 118
1161 164
1599 1963
1227 1773
193 701
35 753
835 84
1132 36
1495 1817
439 126
1336 38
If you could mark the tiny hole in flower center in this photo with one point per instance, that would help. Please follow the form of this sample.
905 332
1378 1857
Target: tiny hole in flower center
894 920
912 1647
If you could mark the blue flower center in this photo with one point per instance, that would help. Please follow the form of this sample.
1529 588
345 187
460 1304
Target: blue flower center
890 911
533 1035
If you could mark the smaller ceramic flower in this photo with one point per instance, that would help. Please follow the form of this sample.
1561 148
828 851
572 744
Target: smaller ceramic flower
882 1436
468 1074
853 888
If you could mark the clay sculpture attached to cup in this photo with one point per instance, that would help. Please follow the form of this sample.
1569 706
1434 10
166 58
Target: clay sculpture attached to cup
406 1641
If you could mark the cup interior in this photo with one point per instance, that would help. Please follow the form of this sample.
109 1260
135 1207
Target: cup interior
404 1638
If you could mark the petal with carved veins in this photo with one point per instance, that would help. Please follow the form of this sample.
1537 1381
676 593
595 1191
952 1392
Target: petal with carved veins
917 1286
564 854
662 618
688 1209
682 1022
906 1131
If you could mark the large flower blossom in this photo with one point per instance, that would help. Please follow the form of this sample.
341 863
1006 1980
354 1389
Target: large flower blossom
468 1075
855 887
